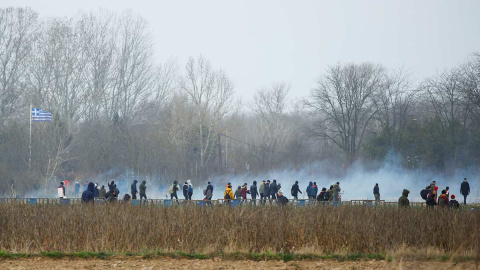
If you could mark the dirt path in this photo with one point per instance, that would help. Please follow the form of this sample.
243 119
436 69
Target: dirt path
167 263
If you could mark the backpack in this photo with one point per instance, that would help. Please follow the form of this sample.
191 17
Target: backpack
170 190
227 196
424 194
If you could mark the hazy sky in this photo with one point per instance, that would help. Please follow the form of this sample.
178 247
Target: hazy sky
258 42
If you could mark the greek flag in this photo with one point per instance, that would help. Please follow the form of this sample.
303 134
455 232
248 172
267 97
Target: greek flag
41 116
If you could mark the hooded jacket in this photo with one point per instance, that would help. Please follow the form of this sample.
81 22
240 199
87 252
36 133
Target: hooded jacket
403 200
376 190
465 188
282 199
134 187
244 191
111 185
228 191
310 189
273 188
88 195
266 189
185 190
238 193
143 187
261 189
253 191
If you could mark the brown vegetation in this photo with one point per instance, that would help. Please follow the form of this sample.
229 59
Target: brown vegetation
317 230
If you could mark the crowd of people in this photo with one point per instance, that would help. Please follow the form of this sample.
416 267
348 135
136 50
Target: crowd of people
433 199
266 191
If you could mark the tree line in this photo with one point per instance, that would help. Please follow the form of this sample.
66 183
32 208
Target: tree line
118 111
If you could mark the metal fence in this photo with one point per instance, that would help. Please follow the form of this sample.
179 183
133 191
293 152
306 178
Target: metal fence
166 202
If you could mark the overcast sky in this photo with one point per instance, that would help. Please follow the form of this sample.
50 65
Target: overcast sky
258 42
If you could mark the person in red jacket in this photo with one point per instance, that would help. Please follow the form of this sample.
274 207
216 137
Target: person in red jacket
245 191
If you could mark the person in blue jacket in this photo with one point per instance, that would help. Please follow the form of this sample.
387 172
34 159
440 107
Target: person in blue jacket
310 191
133 189
88 195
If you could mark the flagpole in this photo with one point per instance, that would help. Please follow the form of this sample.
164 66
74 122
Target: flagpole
30 144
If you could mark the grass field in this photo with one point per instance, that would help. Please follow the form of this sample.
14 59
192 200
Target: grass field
283 233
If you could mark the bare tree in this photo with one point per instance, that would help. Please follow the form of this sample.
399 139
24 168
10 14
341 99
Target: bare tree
394 105
211 92
343 103
18 32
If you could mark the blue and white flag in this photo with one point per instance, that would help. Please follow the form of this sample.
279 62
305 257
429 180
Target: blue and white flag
41 116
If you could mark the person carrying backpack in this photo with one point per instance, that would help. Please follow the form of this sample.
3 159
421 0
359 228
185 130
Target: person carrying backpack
228 194
173 190
431 203
296 190
443 199
273 189
424 193
322 194
238 193
453 203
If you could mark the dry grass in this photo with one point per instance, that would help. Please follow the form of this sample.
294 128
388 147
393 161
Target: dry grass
315 230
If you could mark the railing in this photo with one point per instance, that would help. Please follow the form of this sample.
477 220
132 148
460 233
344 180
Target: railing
219 202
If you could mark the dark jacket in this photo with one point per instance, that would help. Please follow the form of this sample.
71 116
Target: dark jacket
88 195
111 186
465 188
143 187
185 190
376 190
295 190
253 191
96 192
453 204
210 187
403 200
266 189
273 188
431 202
238 193
134 187
282 200
314 190
322 196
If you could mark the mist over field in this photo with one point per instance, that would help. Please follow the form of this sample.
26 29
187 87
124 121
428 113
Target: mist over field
90 97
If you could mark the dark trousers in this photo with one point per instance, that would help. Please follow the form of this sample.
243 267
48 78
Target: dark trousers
465 199
134 196
274 196
254 197
185 195
190 196
144 196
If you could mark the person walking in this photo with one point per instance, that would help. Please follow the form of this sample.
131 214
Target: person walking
245 191
190 189
88 195
465 190
173 190
228 195
209 193
296 190
273 189
61 190
102 192
238 193
336 192
376 192
309 190
403 200
266 190
134 190
185 191
261 190
254 192
143 189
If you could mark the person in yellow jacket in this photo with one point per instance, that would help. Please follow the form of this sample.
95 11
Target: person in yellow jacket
228 194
